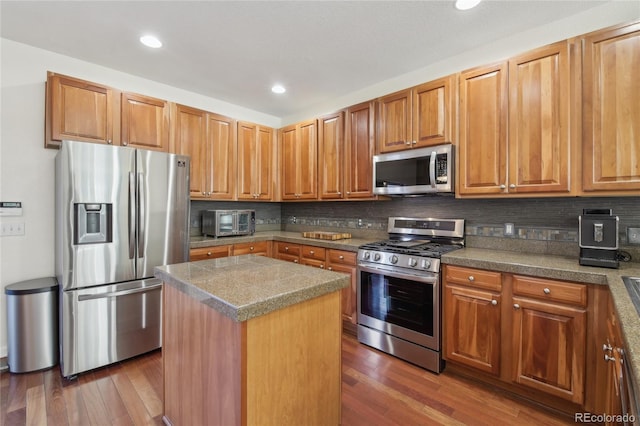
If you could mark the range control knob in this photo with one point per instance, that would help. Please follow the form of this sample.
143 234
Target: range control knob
366 255
393 259
376 256
412 262
426 264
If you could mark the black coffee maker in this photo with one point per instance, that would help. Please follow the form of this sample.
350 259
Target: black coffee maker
598 238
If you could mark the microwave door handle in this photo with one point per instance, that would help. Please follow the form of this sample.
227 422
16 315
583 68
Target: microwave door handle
141 215
234 222
132 216
432 170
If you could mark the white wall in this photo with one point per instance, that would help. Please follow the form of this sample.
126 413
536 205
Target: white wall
26 167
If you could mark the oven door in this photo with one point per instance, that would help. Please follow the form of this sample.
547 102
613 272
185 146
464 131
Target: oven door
400 304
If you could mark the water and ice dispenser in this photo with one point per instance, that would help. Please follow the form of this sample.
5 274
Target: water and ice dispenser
92 223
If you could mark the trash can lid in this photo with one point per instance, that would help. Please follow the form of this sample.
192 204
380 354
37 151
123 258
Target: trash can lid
38 285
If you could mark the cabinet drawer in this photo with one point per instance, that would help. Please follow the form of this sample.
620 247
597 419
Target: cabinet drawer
208 253
288 257
313 252
313 262
288 248
474 277
545 289
260 247
342 257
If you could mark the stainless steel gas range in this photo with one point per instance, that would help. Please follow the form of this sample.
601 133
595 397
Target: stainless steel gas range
399 296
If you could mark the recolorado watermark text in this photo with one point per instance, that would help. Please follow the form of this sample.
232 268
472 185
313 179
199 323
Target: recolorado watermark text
603 418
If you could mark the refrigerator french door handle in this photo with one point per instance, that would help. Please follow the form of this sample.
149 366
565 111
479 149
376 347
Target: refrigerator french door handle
132 216
141 215
432 169
119 293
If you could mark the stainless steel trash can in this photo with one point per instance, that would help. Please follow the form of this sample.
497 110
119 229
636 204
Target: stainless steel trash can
32 325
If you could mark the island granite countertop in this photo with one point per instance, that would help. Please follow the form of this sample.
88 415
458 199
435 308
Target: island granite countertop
567 269
248 286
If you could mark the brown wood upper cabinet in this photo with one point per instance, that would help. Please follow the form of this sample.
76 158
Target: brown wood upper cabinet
416 117
80 110
299 161
514 125
611 114
359 151
255 157
210 140
145 122
331 156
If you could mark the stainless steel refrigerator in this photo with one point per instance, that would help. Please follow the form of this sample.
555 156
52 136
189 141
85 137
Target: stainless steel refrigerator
119 213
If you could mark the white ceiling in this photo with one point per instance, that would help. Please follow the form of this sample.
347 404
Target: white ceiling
235 51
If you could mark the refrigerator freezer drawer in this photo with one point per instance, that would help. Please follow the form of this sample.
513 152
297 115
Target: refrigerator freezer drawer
106 324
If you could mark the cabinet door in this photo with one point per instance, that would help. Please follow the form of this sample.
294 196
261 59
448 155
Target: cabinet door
308 161
473 327
145 122
264 159
190 139
260 248
394 122
345 262
247 164
611 115
288 163
548 346
539 139
359 151
433 112
220 163
80 110
331 156
483 130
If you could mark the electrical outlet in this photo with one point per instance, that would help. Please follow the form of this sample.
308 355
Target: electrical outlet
11 228
509 229
633 235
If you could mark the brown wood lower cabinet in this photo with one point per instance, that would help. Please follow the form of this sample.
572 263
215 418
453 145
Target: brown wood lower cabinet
214 252
528 333
345 261
261 248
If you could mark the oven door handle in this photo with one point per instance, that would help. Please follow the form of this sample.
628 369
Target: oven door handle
431 279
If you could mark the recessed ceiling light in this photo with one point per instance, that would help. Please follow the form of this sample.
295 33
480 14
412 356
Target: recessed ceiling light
278 88
466 4
150 41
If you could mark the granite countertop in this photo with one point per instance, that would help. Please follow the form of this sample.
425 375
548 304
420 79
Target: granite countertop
248 286
349 244
568 269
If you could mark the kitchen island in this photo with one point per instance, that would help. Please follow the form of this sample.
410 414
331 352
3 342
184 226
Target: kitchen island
251 340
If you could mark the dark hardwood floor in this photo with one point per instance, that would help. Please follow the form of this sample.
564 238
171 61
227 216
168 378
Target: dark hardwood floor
377 389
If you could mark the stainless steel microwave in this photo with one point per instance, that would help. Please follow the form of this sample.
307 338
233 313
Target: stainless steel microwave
414 172
226 223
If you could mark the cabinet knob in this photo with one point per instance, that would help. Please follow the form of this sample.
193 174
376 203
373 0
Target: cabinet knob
109 141
503 186
339 193
516 306
295 260
472 278
607 347
407 143
546 291
330 268
286 249
321 266
311 252
341 257
413 142
251 248
512 186
125 143
208 253
608 357
494 302
348 192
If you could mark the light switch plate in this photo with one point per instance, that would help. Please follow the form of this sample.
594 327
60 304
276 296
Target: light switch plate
633 235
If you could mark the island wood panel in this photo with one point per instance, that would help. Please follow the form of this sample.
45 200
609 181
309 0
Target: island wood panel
145 122
483 130
80 110
360 148
611 115
293 364
203 364
539 139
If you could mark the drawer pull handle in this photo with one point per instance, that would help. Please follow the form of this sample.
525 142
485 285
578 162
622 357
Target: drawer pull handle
471 278
547 291
516 306
494 302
